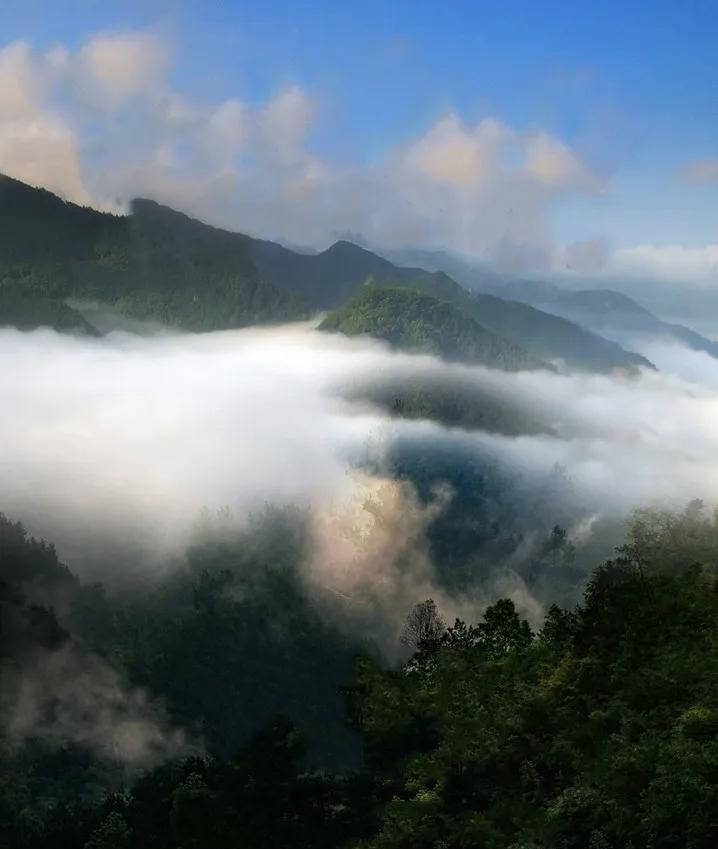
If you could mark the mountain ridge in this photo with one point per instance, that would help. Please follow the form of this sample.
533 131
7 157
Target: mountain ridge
160 264
604 311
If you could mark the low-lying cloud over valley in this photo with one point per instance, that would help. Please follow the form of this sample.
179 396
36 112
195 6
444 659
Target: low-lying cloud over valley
128 438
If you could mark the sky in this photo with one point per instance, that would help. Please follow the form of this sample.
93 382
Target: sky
533 136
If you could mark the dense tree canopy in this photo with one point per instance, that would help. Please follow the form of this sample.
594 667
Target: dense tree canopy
417 322
600 730
158 264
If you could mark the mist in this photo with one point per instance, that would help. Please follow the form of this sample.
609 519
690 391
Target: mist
115 445
70 697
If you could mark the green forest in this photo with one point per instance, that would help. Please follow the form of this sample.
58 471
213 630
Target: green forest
157 264
418 323
596 729
504 659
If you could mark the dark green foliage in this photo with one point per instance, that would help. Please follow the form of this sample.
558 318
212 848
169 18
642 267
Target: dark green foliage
35 776
453 400
339 272
551 337
492 517
259 798
232 639
225 644
160 265
17 309
154 264
31 577
419 323
601 732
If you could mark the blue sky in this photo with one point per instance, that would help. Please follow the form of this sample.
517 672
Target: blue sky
631 88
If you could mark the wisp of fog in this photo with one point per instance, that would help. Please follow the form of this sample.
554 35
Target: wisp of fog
113 447
126 438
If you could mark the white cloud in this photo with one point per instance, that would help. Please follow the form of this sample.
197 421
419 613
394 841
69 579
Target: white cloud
42 151
103 122
555 165
673 263
285 120
150 430
483 190
21 83
452 154
36 144
118 67
229 126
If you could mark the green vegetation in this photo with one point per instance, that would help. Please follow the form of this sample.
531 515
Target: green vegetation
418 323
26 313
451 401
550 337
157 264
600 730
327 279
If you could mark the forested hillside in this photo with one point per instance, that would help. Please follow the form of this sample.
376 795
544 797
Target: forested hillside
26 312
598 730
328 278
157 264
412 321
605 311
154 264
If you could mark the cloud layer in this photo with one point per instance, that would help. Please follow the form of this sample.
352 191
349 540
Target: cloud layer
673 263
126 439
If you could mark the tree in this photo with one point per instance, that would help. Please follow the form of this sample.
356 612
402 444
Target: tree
112 833
424 626
558 628
502 630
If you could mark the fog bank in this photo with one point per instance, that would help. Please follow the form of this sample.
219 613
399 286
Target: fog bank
112 446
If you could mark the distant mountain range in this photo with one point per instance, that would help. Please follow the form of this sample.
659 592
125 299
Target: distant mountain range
607 312
161 265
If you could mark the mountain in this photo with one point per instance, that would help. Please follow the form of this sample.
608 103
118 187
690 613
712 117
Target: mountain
326 279
620 317
605 312
159 264
153 264
551 337
415 322
474 275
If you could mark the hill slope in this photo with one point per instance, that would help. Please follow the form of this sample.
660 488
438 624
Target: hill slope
159 264
617 315
605 312
324 280
416 322
27 313
153 264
